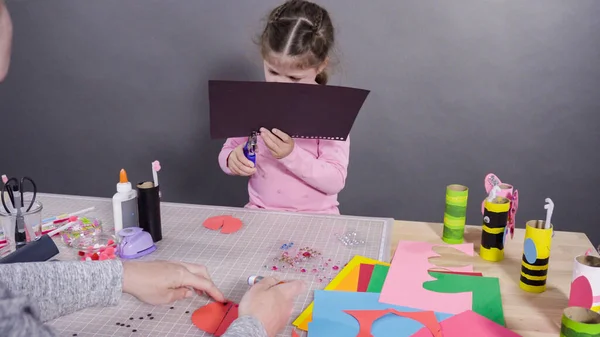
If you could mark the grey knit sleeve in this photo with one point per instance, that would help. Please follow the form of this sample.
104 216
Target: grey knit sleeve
61 288
246 326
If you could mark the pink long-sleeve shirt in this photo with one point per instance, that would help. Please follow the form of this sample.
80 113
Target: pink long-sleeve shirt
308 180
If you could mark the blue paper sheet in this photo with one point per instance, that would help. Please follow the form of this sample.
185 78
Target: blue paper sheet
330 320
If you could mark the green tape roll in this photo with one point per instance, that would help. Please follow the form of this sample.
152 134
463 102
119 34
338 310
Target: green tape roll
580 322
455 213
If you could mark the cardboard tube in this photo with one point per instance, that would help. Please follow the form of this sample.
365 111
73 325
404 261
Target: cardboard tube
149 209
579 322
585 285
455 214
505 191
495 217
536 256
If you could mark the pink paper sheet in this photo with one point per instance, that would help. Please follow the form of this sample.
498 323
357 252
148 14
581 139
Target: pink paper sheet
469 323
404 283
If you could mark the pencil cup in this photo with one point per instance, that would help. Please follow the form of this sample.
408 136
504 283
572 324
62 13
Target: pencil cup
455 213
149 209
578 321
493 229
536 256
8 221
585 285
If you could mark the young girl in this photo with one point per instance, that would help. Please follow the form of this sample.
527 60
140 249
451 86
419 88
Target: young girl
299 175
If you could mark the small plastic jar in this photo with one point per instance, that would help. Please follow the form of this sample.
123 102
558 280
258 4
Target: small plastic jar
83 233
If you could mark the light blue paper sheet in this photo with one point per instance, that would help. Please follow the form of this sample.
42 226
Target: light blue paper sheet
330 320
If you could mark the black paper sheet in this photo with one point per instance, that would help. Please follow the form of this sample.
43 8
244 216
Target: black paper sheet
301 110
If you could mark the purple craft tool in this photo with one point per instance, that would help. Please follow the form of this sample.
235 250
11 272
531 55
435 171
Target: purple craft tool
135 243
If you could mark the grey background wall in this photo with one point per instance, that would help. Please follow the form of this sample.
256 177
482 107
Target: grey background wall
459 89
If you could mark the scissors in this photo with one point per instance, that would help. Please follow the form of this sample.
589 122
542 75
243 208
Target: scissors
250 147
15 188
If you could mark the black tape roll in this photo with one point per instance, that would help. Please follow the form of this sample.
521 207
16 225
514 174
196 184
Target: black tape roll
39 250
149 209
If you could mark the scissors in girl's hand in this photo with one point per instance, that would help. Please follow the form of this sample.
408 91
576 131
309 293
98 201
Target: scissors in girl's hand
15 189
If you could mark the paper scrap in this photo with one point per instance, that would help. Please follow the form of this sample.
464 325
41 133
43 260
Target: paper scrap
487 300
364 277
469 323
331 320
305 317
409 270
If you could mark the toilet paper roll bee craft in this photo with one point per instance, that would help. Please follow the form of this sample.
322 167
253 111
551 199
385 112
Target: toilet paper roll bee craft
507 191
536 252
493 229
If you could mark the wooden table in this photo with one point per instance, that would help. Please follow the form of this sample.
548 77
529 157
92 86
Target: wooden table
530 315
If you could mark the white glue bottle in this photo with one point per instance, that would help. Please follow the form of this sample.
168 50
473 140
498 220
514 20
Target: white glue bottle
125 207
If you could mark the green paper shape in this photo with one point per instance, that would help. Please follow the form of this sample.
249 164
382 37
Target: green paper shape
377 278
487 300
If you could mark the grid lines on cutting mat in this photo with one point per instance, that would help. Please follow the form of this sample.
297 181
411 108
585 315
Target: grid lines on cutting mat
230 259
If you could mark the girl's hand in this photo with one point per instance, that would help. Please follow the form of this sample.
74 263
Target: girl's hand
278 142
239 164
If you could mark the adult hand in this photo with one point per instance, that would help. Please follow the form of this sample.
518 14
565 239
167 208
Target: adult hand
239 164
6 32
278 142
271 303
161 282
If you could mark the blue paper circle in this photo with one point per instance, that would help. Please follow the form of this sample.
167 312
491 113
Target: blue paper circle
530 251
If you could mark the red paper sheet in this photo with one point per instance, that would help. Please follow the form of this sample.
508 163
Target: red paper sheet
364 276
469 323
366 318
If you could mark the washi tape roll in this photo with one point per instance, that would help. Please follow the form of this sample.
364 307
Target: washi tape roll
495 217
580 322
455 214
585 286
536 256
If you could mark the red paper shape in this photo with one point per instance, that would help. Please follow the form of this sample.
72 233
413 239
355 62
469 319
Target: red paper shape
457 272
214 222
469 323
231 316
294 333
364 277
226 223
215 317
366 318
581 293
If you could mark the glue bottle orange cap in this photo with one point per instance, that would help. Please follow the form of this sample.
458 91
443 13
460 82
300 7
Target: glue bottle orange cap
124 185
123 177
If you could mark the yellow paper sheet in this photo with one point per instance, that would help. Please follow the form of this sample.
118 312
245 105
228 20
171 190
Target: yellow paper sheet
345 280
